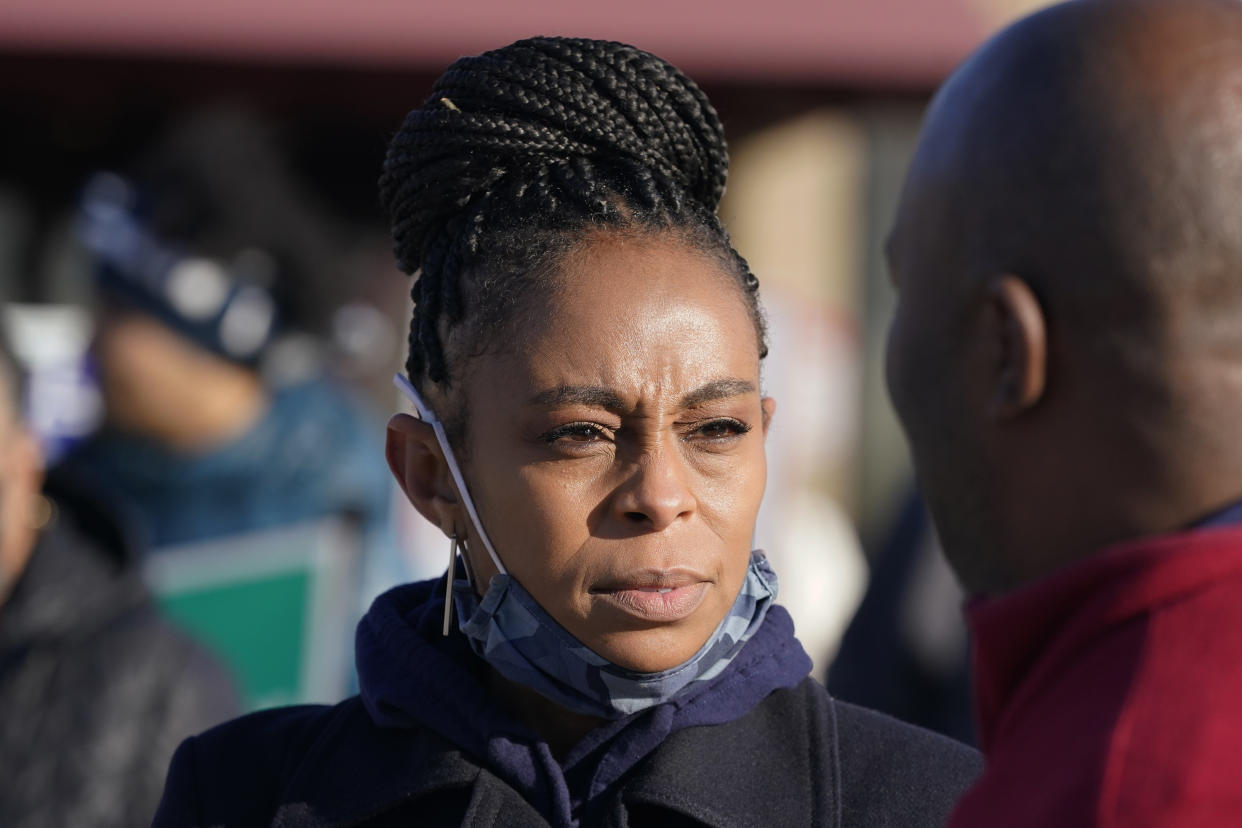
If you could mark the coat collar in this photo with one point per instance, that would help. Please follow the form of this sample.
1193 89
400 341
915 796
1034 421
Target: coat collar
354 770
412 677
1026 636
749 779
774 766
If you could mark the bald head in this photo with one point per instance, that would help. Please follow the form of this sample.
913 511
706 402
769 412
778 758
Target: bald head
1096 149
1072 221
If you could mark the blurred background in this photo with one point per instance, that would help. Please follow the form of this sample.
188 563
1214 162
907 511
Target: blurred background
290 305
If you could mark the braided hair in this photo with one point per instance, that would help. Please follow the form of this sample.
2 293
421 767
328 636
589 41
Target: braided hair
520 151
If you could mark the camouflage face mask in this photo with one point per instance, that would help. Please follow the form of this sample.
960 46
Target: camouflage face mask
516 636
510 631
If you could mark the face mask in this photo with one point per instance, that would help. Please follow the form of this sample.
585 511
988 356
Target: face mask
517 637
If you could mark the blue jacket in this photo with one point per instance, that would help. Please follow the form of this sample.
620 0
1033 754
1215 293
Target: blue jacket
310 455
426 744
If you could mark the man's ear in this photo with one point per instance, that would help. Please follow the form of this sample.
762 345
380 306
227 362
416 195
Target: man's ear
418 464
1017 334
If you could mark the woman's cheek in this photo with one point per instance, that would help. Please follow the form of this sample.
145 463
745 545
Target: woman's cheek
735 494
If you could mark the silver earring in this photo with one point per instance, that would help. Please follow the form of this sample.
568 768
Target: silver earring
448 583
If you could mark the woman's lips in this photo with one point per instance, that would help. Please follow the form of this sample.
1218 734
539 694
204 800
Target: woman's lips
656 603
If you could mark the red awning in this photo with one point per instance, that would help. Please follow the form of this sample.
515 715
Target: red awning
820 41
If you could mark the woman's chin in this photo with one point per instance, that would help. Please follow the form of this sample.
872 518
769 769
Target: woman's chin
650 650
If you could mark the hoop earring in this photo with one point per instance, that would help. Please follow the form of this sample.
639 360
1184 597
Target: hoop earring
448 583
42 513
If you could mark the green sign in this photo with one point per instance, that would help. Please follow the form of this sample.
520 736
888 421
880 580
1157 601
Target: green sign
276 607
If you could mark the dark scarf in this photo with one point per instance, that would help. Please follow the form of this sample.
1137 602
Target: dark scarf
411 675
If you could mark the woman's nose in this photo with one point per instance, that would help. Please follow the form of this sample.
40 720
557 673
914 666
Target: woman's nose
657 494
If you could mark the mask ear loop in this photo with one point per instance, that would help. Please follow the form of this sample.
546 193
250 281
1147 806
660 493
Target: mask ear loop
428 416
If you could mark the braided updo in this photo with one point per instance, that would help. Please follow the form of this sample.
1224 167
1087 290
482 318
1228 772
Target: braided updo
519 151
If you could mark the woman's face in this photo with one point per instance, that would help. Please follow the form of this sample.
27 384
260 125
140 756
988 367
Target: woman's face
616 449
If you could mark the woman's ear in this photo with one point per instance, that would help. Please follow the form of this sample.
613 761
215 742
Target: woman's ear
418 464
769 410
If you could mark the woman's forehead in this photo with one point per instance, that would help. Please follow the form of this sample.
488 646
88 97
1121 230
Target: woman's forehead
630 314
615 292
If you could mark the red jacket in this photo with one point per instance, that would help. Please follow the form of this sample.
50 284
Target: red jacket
1110 693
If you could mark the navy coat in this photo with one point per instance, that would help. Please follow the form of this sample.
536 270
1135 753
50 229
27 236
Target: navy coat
426 744
799 759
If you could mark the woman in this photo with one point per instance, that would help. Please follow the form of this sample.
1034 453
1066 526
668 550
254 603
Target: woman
584 356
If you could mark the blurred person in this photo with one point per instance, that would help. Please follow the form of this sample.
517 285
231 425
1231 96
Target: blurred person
585 358
906 651
204 256
1066 358
96 689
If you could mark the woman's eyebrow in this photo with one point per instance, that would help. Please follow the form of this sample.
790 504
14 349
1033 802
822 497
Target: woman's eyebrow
597 396
717 390
594 396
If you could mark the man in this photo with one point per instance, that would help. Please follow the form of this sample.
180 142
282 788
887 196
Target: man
96 689
197 257
212 263
1066 359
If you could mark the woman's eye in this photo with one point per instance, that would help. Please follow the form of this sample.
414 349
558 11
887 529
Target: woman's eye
722 429
576 433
